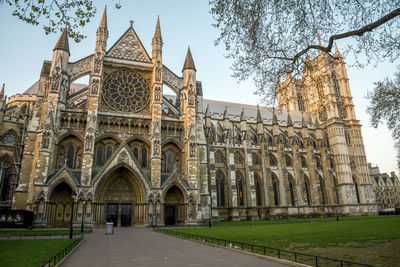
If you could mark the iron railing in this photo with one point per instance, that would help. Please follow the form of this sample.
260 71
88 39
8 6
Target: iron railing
62 253
269 251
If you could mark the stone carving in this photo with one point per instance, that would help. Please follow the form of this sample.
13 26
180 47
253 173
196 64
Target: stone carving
129 48
341 108
323 115
157 94
192 149
95 86
191 95
158 71
98 61
46 139
55 79
156 147
89 142
64 85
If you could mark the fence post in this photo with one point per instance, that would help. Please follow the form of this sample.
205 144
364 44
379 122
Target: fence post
279 253
316 261
252 248
264 250
295 257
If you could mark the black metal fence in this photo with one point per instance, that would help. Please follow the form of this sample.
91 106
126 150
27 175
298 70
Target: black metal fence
61 254
269 251
16 218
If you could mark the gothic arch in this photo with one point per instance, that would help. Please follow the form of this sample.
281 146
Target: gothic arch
76 134
124 183
179 186
174 141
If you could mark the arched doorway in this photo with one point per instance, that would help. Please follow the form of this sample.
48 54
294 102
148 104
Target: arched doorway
174 207
122 197
59 207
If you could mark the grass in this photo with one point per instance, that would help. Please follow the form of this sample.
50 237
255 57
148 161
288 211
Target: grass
363 240
5 232
29 252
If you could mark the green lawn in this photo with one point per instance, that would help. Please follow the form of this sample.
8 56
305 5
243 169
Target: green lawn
370 240
29 252
39 232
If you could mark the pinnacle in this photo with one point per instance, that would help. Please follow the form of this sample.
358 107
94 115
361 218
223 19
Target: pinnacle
242 116
259 118
103 22
208 113
2 89
189 64
226 115
62 43
274 118
157 32
289 120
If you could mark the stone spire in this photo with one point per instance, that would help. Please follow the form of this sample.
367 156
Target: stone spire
62 43
274 118
243 116
102 32
157 41
226 115
289 120
157 32
208 113
303 122
189 64
2 90
337 53
103 22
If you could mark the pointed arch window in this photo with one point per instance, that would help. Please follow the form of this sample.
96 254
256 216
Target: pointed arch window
307 191
220 189
239 187
272 160
70 156
144 158
289 162
356 188
109 151
303 162
258 189
99 155
276 196
219 157
170 162
323 193
136 153
291 192
5 178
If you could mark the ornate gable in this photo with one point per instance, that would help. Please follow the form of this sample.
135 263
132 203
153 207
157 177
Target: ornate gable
129 47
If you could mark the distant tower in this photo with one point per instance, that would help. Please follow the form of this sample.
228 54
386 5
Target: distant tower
325 94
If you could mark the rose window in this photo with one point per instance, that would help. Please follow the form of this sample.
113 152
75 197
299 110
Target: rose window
126 91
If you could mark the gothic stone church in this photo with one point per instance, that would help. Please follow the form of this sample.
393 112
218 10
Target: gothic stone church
133 154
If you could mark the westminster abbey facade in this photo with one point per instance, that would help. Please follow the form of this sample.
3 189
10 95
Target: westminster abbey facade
133 155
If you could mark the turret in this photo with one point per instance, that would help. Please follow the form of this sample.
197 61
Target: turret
61 52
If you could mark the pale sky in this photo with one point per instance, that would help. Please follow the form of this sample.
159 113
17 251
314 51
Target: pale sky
23 48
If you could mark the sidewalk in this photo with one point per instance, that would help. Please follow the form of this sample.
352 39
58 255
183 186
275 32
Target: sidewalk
143 247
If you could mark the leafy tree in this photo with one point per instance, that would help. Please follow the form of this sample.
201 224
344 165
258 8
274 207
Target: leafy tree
385 107
55 15
266 38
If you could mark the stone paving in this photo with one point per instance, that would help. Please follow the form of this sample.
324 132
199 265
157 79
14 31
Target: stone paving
143 247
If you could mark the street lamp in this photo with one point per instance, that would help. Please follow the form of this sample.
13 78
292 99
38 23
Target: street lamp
83 213
73 195
209 218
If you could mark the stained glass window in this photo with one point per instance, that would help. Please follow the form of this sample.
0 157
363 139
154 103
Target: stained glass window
126 91
9 138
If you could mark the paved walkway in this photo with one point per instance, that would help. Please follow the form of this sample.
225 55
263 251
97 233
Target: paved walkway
143 247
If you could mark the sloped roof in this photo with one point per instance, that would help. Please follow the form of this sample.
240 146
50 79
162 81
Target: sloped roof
34 88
